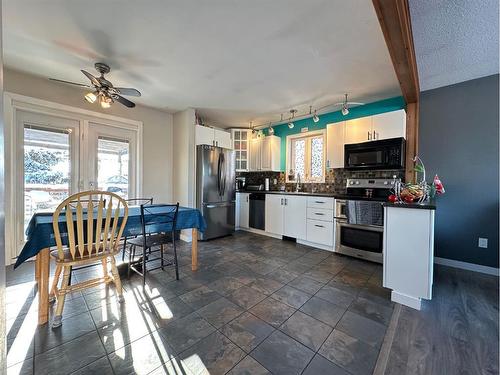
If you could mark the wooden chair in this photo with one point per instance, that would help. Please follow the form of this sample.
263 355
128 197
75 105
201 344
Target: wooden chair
93 235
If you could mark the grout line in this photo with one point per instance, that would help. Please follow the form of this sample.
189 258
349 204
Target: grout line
383 357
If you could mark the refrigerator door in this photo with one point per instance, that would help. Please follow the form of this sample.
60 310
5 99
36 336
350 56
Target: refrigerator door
219 218
207 175
227 176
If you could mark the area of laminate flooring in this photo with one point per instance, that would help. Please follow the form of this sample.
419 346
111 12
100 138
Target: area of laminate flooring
257 305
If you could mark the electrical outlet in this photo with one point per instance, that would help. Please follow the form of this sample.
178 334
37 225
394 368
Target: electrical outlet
483 242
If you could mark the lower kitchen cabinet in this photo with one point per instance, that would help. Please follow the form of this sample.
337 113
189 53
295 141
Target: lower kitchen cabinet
320 232
242 210
286 215
274 214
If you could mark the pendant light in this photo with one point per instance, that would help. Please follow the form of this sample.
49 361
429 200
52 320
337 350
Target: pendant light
91 97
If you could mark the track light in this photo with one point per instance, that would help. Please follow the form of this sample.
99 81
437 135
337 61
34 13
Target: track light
345 110
270 130
315 117
91 97
290 123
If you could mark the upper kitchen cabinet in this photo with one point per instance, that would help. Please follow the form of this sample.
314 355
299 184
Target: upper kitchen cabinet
241 146
265 153
389 125
373 128
358 130
205 135
335 134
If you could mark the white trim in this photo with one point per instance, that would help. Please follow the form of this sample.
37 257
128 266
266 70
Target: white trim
15 102
316 245
261 232
467 266
413 302
309 134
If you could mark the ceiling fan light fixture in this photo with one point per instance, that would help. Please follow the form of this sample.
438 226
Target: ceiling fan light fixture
91 97
105 101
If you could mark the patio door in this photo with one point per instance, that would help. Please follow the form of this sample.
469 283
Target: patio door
59 156
50 169
111 162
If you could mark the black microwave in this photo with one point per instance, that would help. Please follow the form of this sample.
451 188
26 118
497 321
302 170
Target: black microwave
384 154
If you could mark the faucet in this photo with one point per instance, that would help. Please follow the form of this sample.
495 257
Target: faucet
297 187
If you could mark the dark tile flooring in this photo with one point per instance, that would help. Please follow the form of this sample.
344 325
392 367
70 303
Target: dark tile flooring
257 305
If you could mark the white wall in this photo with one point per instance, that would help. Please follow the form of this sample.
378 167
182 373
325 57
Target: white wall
184 157
157 130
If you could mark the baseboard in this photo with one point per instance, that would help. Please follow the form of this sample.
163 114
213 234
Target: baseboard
316 245
467 266
261 232
413 302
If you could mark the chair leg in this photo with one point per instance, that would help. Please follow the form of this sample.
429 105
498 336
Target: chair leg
144 250
53 289
124 248
116 279
61 295
161 252
175 256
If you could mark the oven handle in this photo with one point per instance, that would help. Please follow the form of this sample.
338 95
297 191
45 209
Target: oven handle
373 228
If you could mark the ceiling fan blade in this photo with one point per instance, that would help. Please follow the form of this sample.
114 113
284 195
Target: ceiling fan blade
122 100
93 79
68 82
128 91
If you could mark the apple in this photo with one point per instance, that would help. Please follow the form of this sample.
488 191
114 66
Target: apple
392 198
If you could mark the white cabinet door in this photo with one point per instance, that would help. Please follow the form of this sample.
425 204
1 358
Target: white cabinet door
204 135
222 139
358 130
295 217
255 155
243 207
265 151
274 213
335 134
389 125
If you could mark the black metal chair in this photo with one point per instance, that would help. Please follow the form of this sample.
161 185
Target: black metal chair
133 202
158 223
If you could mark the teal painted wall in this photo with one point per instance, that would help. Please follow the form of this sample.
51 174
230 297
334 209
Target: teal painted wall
387 105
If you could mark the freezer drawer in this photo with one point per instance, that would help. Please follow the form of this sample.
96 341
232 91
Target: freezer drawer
220 220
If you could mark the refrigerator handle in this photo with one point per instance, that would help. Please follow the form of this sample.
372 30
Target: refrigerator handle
223 174
218 175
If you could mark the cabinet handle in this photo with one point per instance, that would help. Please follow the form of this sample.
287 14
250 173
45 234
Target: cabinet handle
281 201
247 198
319 226
319 214
374 134
321 202
286 201
369 136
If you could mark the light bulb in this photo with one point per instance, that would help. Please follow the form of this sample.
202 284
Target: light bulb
291 125
315 117
270 131
105 101
91 97
345 110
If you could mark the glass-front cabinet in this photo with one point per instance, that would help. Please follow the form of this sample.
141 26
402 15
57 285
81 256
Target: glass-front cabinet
241 138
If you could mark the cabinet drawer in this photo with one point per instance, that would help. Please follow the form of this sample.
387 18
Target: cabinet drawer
320 214
320 202
320 232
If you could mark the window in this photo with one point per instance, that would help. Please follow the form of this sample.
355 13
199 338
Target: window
306 157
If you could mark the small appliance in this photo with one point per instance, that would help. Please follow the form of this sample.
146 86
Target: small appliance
384 154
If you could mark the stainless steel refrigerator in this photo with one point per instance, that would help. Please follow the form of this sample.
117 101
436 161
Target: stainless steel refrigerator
215 190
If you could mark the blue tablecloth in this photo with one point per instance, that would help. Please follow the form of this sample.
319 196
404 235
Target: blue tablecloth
40 232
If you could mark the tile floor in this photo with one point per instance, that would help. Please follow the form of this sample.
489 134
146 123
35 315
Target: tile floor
257 305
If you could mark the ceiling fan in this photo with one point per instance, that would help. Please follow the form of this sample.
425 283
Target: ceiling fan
103 90
345 105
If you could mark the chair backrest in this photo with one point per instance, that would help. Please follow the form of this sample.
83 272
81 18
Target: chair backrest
157 217
139 201
94 220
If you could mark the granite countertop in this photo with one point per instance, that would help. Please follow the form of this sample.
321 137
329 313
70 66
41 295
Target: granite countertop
431 205
317 194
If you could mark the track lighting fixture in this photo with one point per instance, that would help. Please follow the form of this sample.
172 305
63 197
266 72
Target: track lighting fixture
315 117
345 110
270 130
290 123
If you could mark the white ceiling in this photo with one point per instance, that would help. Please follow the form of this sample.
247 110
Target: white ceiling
455 41
235 61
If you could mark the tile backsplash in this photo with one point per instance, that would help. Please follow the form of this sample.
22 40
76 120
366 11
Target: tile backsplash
335 179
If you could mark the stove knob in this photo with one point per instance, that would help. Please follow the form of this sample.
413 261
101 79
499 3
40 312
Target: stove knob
351 182
386 183
357 182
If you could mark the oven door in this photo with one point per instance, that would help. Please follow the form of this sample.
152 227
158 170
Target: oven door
361 241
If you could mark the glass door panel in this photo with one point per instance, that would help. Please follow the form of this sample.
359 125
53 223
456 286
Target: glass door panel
113 166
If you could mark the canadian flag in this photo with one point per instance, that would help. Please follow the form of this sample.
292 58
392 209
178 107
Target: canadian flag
438 185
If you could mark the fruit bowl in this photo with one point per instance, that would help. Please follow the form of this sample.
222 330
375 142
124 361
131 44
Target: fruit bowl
411 193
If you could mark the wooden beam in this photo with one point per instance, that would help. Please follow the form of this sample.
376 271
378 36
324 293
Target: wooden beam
395 22
412 117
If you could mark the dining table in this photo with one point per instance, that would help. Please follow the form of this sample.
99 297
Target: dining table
40 238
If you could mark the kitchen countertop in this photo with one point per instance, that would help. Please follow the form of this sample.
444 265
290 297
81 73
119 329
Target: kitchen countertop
431 205
317 194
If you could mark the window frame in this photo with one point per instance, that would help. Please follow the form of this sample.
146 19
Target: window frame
290 162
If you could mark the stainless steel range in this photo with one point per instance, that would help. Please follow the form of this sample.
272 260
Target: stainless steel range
359 218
